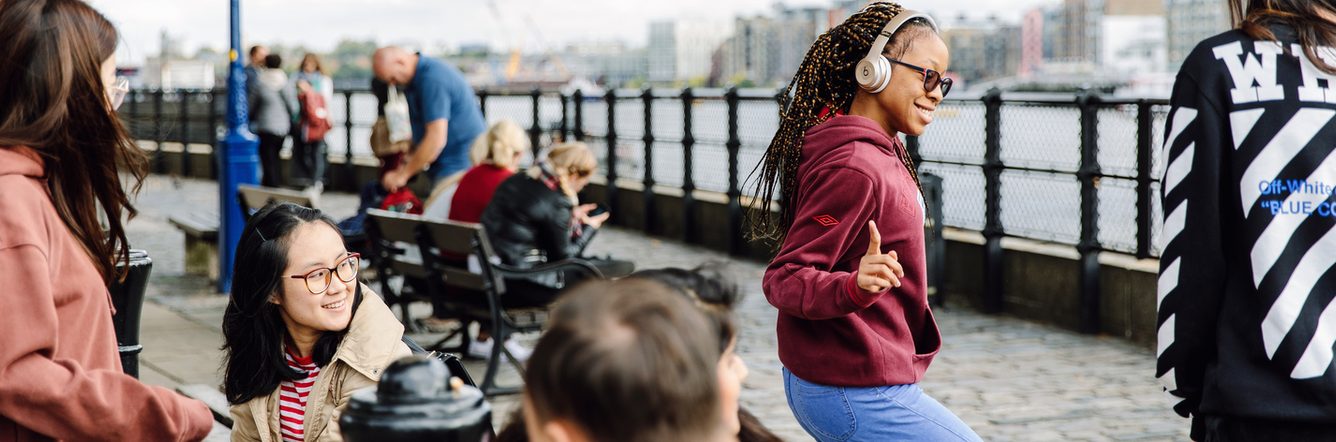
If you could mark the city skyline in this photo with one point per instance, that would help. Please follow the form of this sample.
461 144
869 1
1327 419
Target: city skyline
500 24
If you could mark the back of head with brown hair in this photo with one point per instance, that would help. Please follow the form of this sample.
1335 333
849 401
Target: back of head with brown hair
53 100
1254 17
627 360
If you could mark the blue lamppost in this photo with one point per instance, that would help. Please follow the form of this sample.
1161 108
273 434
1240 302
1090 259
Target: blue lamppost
239 157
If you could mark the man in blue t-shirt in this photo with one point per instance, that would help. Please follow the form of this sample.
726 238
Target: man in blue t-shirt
442 108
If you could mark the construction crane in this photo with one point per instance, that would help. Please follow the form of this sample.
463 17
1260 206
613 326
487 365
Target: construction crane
515 62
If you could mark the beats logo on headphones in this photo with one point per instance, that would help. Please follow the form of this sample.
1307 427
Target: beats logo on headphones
873 72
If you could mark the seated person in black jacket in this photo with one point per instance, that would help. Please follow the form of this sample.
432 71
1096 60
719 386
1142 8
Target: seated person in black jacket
536 217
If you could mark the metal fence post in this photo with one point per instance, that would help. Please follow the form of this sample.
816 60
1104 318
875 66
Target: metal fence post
159 158
579 132
565 115
688 171
1145 156
734 193
183 100
482 102
611 99
647 179
994 300
348 168
535 129
132 123
912 145
1089 175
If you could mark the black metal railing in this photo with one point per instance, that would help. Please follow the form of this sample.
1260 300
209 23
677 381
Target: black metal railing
1079 171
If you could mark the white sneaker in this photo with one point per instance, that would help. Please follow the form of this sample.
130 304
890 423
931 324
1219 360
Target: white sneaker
480 349
518 350
313 193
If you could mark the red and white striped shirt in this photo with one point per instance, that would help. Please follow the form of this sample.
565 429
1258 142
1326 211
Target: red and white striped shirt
292 398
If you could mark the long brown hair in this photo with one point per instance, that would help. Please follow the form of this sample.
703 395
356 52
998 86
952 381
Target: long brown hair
823 85
311 58
1253 16
54 102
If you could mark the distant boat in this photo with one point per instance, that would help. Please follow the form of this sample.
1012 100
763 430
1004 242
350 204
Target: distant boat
587 88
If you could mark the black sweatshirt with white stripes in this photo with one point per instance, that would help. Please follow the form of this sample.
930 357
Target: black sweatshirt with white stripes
1246 319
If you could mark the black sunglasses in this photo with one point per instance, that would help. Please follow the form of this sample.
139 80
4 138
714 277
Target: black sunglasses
931 79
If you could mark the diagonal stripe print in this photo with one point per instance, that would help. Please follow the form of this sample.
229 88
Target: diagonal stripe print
1241 124
1165 336
1285 310
1168 281
1291 139
1173 225
1273 240
1182 117
1178 170
1317 357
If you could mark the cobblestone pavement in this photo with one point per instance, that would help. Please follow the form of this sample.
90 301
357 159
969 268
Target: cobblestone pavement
1008 379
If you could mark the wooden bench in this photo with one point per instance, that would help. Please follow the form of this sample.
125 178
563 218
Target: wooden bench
201 230
201 227
255 197
468 277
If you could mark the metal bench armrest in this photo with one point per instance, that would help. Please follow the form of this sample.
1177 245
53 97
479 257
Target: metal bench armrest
580 265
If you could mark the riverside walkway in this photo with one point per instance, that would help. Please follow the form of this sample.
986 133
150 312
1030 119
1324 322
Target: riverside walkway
1007 378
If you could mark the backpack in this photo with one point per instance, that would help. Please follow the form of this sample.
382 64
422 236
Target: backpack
451 361
314 116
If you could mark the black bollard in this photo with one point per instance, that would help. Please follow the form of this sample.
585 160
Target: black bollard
417 400
127 298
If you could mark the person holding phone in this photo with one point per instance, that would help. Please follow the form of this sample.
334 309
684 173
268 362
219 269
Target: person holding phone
536 217
855 332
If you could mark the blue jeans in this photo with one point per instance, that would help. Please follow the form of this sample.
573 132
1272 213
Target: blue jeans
893 413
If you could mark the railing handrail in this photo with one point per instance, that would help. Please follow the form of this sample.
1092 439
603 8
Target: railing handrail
747 94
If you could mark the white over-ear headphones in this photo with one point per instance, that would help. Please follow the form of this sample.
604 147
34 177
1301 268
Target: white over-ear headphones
873 72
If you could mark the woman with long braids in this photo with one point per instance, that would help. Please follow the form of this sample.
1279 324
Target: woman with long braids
855 332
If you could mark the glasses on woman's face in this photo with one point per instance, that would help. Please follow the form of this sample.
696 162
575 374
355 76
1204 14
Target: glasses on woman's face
931 79
118 91
317 281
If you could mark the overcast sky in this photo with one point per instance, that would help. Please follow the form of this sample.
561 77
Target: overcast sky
531 24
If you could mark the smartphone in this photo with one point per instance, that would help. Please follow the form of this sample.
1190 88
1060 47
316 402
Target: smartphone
601 209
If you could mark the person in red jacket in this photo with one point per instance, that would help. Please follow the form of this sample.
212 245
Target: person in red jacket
496 155
63 155
855 332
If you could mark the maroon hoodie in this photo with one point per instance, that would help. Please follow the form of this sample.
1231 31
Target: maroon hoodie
831 331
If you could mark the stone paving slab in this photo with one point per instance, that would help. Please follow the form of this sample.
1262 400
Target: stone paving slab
1007 378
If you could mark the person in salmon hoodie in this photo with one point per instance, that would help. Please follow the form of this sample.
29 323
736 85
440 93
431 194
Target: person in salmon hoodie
63 154
855 332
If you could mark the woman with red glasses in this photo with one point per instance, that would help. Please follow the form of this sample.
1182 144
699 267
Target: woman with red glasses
855 332
300 333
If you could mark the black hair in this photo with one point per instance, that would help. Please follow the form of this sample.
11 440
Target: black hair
273 61
705 287
254 334
716 295
823 85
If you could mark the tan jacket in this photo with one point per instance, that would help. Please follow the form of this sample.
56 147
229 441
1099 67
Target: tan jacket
374 340
60 374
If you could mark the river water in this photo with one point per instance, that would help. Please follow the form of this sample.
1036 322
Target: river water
1037 205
